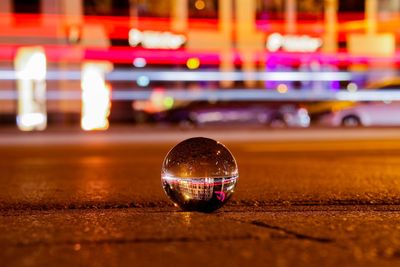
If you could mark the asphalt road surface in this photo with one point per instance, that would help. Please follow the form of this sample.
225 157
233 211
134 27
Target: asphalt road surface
304 198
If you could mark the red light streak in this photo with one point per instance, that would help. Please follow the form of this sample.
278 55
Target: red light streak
117 27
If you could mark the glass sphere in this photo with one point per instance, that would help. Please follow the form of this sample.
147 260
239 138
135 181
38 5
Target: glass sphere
199 174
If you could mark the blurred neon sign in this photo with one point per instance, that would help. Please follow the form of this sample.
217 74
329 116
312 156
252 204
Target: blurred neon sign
156 39
293 43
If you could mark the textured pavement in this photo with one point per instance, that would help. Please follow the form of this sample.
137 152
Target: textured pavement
298 203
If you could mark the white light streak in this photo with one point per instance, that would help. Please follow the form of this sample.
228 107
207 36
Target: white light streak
230 76
224 94
168 75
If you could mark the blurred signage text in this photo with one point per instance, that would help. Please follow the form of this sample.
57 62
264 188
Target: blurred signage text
156 39
293 43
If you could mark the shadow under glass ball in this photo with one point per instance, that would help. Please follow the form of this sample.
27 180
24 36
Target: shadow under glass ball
199 174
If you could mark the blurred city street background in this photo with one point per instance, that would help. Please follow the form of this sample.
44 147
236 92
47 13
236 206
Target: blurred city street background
94 93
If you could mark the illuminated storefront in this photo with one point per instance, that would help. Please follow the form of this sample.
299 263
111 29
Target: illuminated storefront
30 66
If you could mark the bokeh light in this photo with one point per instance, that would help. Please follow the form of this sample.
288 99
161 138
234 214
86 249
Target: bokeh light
200 4
193 63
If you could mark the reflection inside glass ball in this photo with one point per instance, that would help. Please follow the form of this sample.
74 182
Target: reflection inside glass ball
199 174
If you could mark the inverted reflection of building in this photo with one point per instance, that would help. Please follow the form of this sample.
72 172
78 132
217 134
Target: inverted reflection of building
199 190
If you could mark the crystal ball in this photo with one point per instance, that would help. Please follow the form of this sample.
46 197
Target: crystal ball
199 174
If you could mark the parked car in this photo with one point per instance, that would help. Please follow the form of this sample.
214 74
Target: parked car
319 110
200 113
377 113
365 114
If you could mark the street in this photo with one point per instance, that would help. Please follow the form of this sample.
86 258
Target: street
308 197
